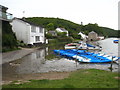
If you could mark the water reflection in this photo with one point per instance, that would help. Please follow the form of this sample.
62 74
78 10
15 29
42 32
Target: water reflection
32 63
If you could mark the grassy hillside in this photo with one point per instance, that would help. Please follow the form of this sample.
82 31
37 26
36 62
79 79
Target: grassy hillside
73 28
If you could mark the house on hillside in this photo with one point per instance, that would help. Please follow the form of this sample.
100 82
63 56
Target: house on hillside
28 32
83 36
62 30
53 33
92 36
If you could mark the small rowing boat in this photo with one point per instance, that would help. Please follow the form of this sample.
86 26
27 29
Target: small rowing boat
115 41
71 46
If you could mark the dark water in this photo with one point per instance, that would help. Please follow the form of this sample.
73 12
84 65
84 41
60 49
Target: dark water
44 60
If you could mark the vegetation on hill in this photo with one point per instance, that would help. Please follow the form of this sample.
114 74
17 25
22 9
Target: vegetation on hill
110 32
73 28
9 41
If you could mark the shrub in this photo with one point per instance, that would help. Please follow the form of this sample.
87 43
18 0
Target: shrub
9 40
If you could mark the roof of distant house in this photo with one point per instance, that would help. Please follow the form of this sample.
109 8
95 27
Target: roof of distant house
92 32
63 29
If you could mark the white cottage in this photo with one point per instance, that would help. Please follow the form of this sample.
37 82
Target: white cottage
62 30
83 36
28 32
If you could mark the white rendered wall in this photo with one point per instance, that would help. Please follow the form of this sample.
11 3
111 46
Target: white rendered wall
21 30
37 33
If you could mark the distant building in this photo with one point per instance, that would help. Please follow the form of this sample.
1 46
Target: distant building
4 16
83 36
101 37
62 30
28 32
53 33
92 36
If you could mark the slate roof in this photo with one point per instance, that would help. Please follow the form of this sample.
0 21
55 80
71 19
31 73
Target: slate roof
31 23
63 29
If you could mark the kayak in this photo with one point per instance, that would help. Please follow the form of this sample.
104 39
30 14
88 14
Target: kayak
84 56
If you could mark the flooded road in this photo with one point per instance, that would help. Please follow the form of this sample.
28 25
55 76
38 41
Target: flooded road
44 60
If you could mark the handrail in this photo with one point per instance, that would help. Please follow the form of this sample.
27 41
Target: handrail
6 16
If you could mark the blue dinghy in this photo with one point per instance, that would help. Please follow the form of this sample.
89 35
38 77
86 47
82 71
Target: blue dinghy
115 41
83 56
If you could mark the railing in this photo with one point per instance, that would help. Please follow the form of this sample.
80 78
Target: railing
6 16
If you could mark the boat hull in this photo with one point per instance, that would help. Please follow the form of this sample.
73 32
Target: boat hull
116 41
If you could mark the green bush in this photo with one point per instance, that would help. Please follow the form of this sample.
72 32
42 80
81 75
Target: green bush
65 39
61 34
9 40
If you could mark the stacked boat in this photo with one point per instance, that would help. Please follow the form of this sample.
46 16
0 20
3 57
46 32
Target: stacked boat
82 46
84 56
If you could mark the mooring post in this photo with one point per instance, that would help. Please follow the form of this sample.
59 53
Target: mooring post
76 55
111 64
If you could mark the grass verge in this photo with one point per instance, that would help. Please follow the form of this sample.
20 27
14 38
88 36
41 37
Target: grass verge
90 78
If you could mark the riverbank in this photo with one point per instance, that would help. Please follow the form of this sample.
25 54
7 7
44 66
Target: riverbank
17 54
84 78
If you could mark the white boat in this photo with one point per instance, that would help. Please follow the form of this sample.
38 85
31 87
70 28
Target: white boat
71 46
82 46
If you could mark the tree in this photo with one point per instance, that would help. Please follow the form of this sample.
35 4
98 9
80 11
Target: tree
9 40
50 26
61 34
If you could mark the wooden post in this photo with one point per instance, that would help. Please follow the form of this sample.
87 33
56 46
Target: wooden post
76 55
111 65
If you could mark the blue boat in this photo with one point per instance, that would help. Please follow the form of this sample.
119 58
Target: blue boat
83 56
115 41
89 45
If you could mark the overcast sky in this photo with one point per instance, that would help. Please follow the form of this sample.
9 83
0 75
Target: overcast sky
102 12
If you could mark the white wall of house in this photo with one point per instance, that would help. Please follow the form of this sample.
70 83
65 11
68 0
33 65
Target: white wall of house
83 36
92 36
21 30
28 33
59 30
37 35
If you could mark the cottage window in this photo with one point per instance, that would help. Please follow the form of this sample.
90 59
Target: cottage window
33 29
37 38
40 30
